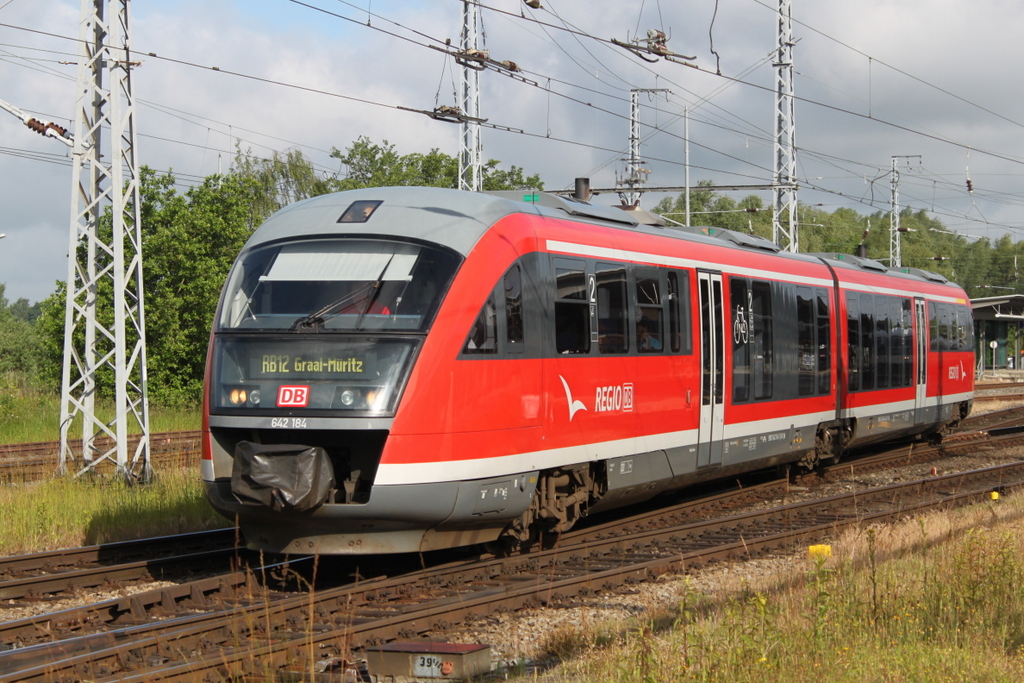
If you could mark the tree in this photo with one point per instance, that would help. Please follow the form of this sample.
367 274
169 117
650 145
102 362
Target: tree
282 179
373 165
189 244
188 253
19 344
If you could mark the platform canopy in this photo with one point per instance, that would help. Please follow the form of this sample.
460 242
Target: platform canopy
1009 307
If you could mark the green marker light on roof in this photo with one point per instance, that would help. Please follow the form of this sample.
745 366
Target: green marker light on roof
531 198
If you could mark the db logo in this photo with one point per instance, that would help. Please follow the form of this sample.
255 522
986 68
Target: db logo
294 397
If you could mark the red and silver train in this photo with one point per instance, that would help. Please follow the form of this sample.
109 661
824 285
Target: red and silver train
408 369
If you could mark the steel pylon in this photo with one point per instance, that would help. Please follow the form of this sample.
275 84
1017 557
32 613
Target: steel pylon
104 324
785 231
470 149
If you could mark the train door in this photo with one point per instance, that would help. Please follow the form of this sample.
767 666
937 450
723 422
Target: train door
712 351
921 378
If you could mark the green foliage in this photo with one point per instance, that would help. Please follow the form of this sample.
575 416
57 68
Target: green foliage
64 512
193 240
373 165
950 611
280 180
189 243
19 343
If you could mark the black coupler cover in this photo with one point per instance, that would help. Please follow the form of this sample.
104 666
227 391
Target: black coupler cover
282 476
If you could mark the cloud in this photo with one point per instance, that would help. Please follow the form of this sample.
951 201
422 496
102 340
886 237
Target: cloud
841 58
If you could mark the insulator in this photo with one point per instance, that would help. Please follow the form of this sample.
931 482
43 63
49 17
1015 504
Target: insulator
970 186
61 130
656 35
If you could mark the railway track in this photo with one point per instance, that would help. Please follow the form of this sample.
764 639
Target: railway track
245 622
247 628
299 634
997 385
34 461
42 576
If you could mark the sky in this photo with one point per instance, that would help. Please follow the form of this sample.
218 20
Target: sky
935 83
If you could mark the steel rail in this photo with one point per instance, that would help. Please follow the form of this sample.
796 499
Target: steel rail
65 559
260 639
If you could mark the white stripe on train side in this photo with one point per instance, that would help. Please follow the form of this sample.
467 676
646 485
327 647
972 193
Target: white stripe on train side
573 249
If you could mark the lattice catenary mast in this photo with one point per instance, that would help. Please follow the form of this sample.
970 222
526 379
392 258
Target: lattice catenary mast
635 172
785 234
895 230
895 248
104 347
470 164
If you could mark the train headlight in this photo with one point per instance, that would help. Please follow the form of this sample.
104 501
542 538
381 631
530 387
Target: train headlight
254 397
237 396
348 397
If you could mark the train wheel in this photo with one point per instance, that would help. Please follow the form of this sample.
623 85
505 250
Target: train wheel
562 498
828 443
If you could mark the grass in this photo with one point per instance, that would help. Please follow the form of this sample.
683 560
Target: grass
65 512
29 414
940 598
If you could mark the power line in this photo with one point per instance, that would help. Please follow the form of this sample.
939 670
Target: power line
901 71
655 130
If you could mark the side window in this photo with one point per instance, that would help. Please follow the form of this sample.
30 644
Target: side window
933 325
514 309
881 342
762 339
650 328
612 332
867 342
739 291
824 343
483 337
572 309
895 342
852 342
944 327
679 316
966 340
908 342
807 354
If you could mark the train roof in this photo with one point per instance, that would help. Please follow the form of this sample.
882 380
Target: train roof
458 219
859 263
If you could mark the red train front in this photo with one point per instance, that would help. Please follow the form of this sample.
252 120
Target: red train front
404 369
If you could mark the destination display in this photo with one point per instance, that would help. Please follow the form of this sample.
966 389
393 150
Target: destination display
274 365
254 373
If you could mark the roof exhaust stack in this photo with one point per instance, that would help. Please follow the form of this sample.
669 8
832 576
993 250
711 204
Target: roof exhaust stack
582 192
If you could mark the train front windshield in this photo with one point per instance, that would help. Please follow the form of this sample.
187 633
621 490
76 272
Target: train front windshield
328 324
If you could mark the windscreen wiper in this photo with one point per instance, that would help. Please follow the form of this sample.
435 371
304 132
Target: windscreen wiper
315 321
376 292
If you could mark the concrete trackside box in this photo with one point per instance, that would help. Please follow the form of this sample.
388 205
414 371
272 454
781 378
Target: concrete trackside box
423 659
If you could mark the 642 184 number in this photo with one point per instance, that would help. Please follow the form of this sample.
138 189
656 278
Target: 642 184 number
288 422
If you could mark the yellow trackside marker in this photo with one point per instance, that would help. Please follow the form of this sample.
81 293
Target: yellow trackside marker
994 495
819 551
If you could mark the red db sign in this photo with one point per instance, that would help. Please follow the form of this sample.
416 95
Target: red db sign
292 397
